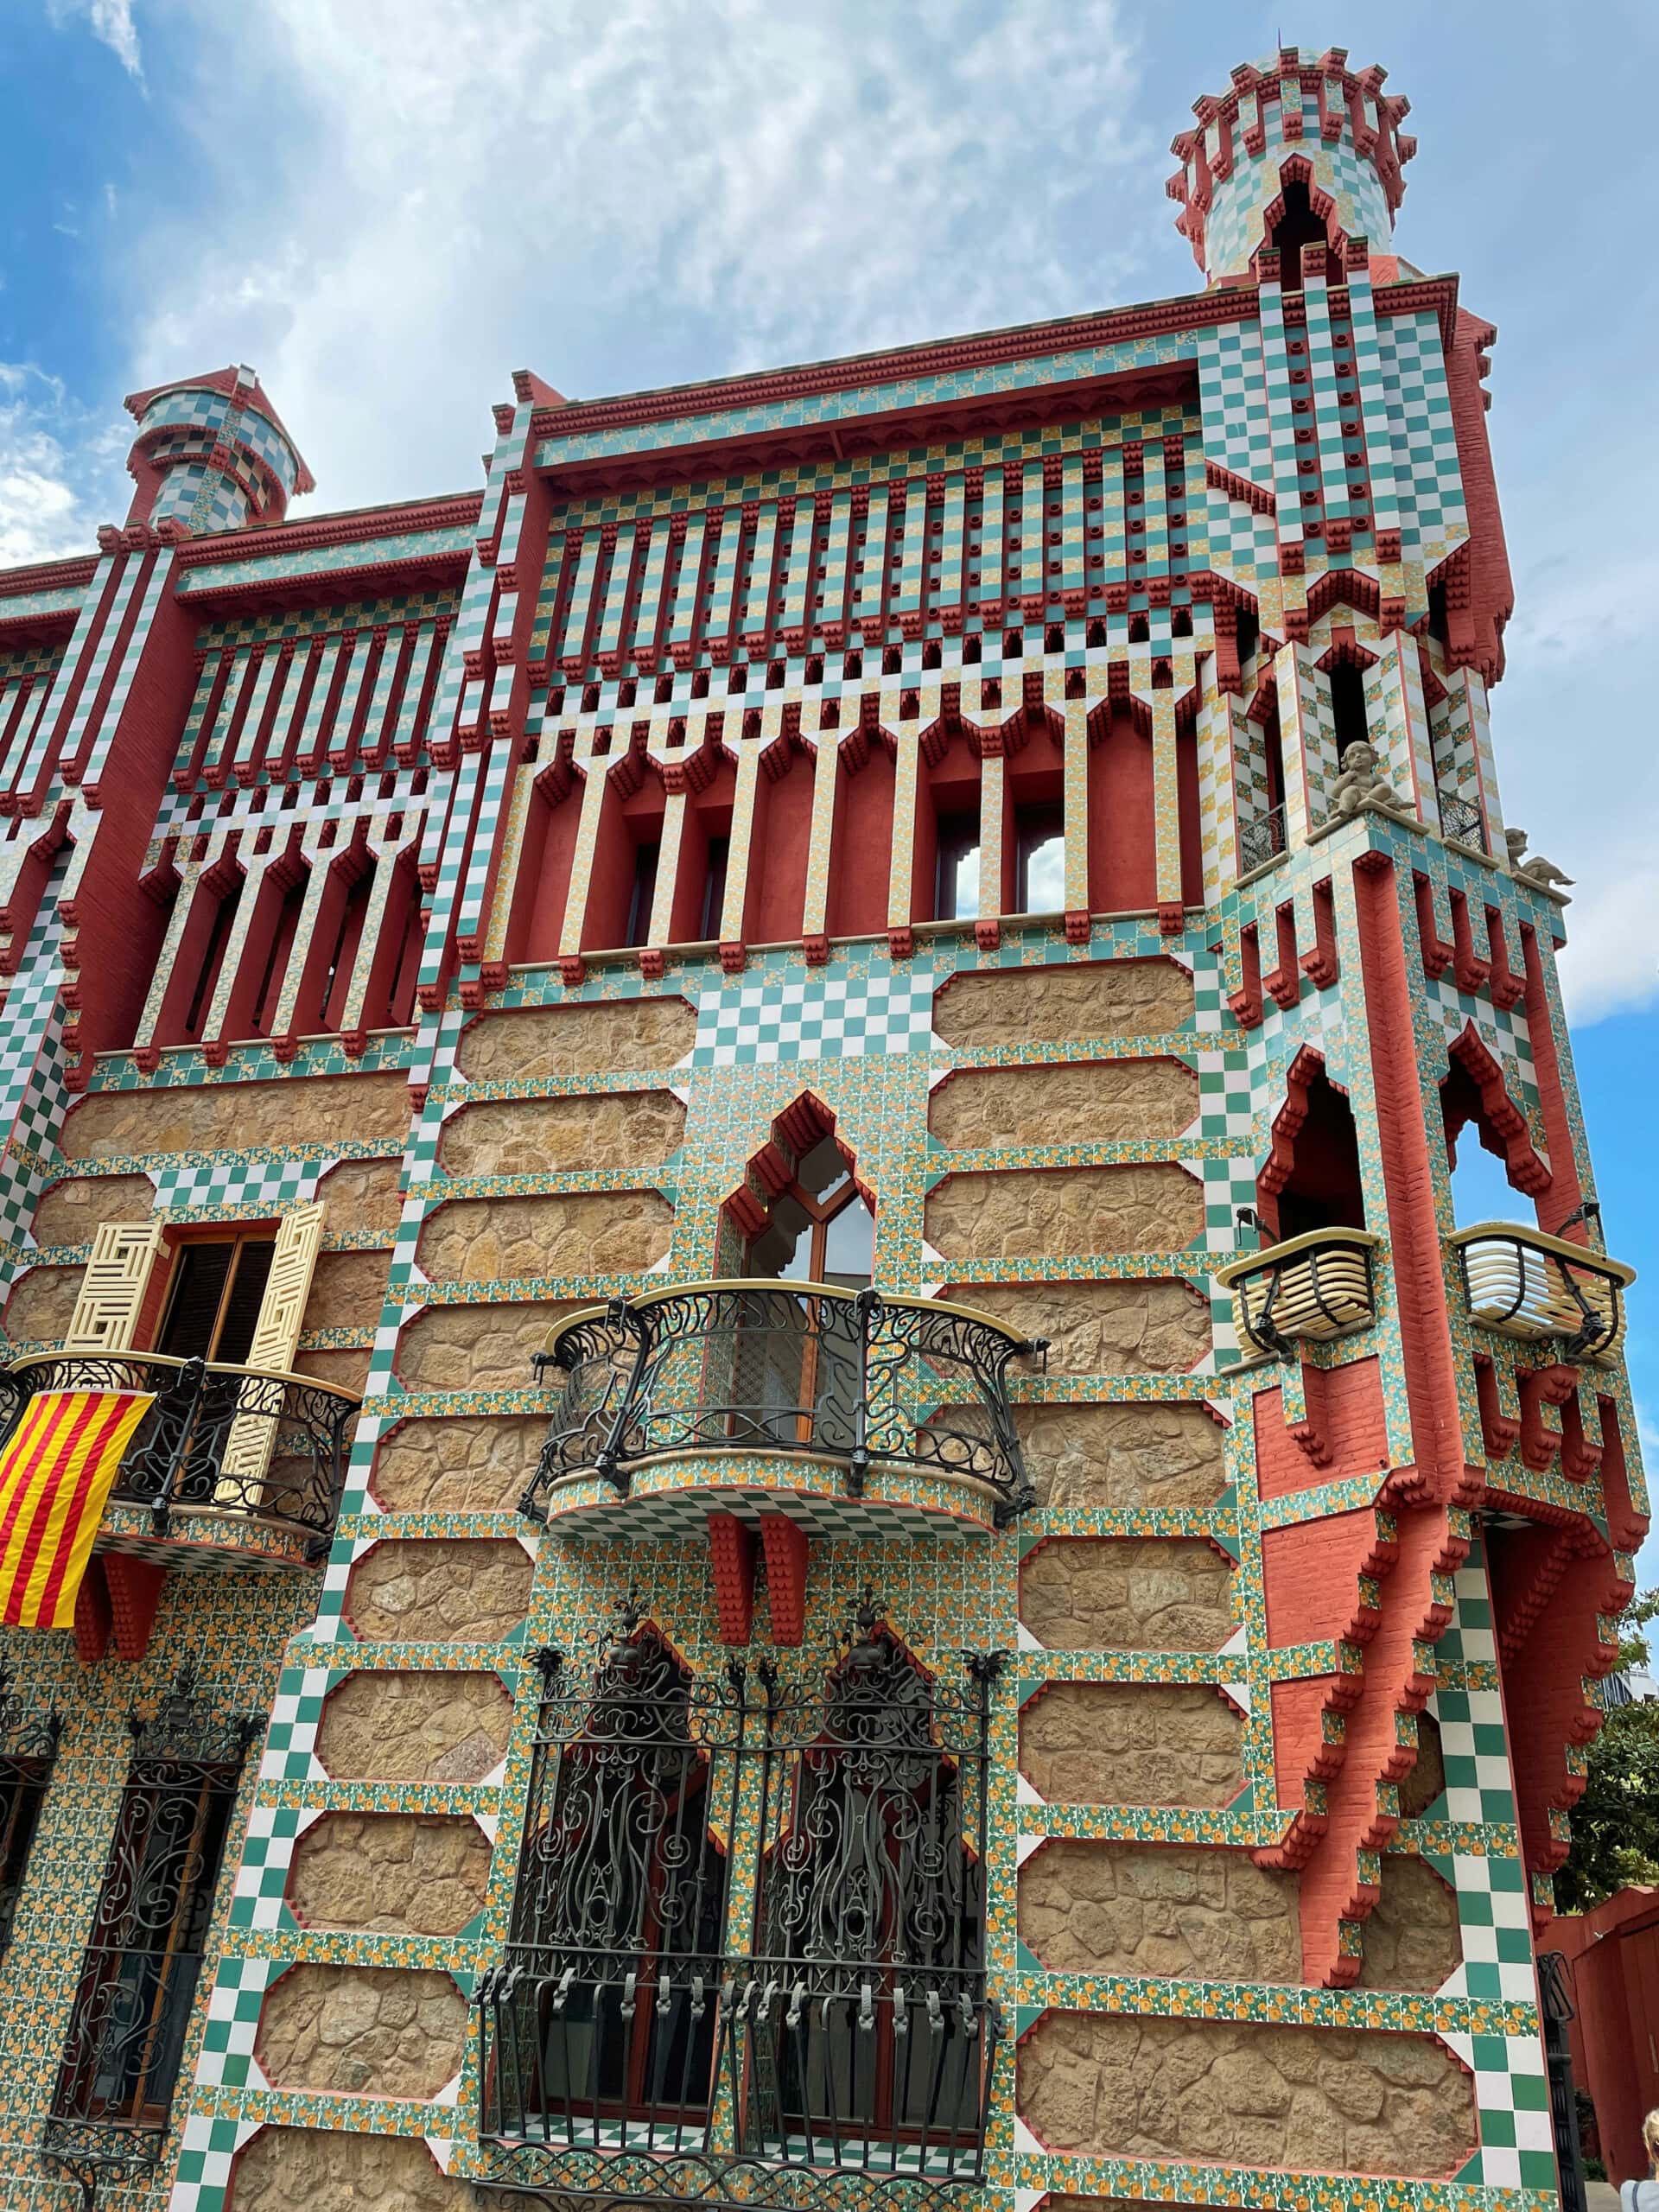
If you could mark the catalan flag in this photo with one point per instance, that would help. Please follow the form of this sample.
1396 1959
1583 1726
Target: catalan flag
56 1473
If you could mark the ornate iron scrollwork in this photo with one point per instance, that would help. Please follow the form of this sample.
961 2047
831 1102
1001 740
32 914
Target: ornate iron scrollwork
178 1458
852 1378
626 2038
133 2001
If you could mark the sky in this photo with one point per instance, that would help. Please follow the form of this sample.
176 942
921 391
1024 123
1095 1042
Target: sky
387 206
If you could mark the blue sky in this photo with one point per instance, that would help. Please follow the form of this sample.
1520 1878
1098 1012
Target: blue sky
385 205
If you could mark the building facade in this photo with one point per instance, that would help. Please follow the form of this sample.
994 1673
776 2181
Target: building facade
831 1516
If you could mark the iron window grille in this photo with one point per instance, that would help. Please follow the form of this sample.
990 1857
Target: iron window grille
863 2025
133 2001
631 2044
1461 818
1261 840
177 1458
849 1376
28 1747
598 2028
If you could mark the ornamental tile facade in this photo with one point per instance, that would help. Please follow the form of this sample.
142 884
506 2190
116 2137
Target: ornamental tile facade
945 757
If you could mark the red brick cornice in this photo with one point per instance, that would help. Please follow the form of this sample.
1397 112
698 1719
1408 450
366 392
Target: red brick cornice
47 576
458 510
982 350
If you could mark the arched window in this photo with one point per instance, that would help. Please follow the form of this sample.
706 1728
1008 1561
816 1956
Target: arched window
796 1360
819 1227
601 2027
877 2050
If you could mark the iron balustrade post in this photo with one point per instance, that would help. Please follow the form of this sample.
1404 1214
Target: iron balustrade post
184 1402
609 1460
867 1307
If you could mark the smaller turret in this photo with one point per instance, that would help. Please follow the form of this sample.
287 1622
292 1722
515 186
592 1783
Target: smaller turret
1299 148
211 453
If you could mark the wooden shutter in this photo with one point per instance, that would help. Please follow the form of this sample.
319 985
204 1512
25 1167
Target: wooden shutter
275 1339
113 1290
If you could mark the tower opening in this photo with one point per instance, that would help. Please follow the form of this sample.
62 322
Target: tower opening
1298 226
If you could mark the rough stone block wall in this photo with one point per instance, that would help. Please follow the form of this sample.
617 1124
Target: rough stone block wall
553 1041
1411 1934
1102 1328
1173 1744
346 1371
72 1211
396 1873
363 1195
581 1233
377 2032
535 1136
1094 1210
1126 1593
397 1727
475 1464
235 1118
1142 1453
1085 1104
440 1592
1149 1909
1341 2101
1047 1005
317 2169
456 1348
347 1290
43 1304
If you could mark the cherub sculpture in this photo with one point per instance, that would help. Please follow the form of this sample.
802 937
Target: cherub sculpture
1361 784
1537 869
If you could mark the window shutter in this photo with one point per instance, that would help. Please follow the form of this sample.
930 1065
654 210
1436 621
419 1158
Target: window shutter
113 1290
275 1339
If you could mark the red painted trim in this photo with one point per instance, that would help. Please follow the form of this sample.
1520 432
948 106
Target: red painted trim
1413 1233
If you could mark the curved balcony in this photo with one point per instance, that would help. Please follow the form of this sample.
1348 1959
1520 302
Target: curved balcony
1309 1289
858 1410
232 1466
1536 1289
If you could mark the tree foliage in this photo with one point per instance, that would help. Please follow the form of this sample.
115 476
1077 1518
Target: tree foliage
1615 1823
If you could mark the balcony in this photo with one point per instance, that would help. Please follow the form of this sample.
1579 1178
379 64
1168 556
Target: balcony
1536 1289
1261 841
868 1411
1309 1289
1461 820
232 1467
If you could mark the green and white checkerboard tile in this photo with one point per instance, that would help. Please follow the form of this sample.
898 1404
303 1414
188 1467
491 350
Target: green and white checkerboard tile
262 1879
290 1740
209 2151
818 1014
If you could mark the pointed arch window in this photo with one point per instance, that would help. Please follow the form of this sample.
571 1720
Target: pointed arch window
877 2050
600 2026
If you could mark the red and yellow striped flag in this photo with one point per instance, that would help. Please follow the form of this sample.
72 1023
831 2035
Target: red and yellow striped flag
55 1474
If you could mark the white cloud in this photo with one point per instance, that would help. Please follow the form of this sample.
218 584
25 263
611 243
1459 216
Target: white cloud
51 455
627 191
111 22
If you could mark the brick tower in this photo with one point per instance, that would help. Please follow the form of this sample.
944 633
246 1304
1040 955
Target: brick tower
824 1511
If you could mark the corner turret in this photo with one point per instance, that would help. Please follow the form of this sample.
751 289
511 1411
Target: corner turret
211 455
1298 149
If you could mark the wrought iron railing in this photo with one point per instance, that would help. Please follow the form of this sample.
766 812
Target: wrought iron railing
1315 1286
1523 1284
1261 839
133 2001
633 2041
1461 818
850 1376
270 1448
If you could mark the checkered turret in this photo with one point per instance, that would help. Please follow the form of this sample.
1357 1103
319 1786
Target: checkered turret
1298 116
211 455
